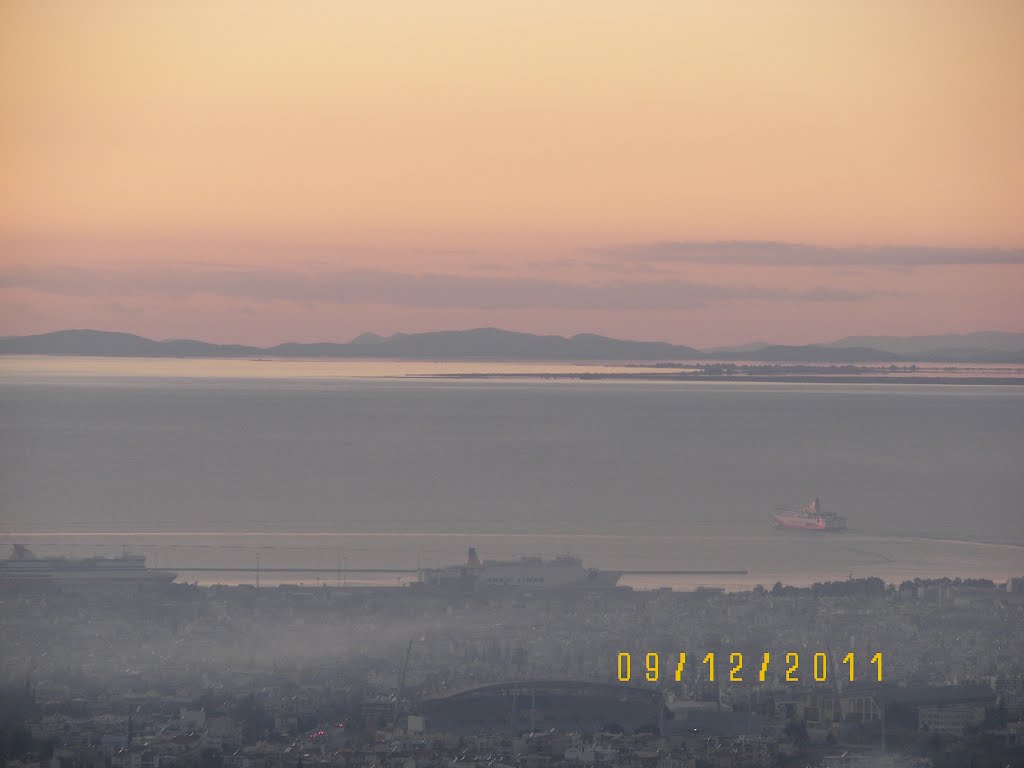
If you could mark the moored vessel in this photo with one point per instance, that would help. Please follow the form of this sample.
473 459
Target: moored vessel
525 573
24 568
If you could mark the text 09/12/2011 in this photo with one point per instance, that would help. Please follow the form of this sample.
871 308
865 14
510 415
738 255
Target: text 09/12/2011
652 671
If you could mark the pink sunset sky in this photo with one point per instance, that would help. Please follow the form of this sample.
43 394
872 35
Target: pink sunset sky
703 172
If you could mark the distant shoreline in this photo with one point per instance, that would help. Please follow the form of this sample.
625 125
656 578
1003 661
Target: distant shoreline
740 378
521 371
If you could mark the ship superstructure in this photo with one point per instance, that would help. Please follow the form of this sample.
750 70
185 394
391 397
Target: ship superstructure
524 573
809 517
24 568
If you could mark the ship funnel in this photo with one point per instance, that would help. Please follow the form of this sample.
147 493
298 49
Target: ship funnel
472 560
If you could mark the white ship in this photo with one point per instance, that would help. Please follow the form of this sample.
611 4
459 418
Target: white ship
809 517
524 573
24 568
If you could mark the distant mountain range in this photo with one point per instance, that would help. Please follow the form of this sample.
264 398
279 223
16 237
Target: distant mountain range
993 341
493 343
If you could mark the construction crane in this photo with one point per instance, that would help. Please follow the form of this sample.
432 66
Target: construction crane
401 678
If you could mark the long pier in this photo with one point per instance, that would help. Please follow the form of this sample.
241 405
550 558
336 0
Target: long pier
685 573
253 569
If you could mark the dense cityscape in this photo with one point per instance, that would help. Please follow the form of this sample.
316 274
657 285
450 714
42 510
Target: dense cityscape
246 677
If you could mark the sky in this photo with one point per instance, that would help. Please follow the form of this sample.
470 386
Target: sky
704 172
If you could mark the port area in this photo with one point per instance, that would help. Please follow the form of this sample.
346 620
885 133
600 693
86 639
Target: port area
391 578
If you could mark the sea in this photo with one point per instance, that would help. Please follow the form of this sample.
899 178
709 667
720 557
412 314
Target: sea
212 466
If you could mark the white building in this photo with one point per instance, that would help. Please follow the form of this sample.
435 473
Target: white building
953 720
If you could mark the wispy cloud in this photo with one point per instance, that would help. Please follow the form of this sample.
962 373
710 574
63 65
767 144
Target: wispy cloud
394 288
767 253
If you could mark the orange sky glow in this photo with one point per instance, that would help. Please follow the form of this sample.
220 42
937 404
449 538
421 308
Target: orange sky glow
698 171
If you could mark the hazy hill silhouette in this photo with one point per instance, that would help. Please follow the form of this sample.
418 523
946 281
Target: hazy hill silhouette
497 344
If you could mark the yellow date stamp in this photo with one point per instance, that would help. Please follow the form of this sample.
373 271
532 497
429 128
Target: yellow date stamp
713 667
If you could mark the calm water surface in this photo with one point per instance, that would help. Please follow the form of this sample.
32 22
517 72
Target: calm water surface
340 464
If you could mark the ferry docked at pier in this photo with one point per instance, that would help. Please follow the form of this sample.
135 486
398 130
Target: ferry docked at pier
564 571
23 568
